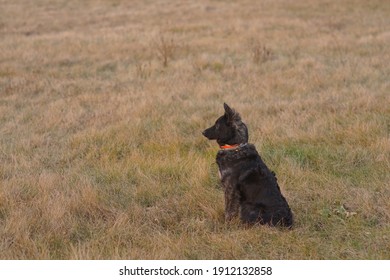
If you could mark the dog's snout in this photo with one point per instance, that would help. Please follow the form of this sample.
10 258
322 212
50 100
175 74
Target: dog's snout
204 132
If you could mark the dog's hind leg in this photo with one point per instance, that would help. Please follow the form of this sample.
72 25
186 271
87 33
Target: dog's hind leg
250 214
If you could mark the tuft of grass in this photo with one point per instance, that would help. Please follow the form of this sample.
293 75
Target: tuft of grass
165 49
261 53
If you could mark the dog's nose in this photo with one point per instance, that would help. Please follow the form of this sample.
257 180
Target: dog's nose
204 132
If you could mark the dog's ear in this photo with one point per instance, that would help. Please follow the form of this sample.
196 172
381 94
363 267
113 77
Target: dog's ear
228 110
231 114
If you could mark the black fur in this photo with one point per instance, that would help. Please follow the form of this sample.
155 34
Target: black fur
251 189
228 129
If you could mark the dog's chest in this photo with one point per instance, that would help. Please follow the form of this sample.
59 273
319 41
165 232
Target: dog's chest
223 173
232 162
228 172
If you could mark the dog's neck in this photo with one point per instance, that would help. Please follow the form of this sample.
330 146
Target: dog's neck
227 146
244 150
231 147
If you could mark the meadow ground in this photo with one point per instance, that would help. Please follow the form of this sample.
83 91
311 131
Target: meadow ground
102 104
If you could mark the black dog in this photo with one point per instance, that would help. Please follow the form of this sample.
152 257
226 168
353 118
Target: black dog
251 189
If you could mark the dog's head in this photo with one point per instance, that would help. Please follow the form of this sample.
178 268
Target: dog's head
228 129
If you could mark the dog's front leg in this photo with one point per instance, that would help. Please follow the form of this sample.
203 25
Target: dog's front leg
232 202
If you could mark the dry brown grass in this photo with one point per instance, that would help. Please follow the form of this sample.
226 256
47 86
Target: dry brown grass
100 145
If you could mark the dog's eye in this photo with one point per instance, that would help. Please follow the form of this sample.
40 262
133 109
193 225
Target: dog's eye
217 126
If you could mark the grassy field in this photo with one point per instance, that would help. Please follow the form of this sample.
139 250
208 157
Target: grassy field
102 104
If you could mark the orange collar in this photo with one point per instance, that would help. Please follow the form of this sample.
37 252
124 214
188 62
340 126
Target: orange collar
226 146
